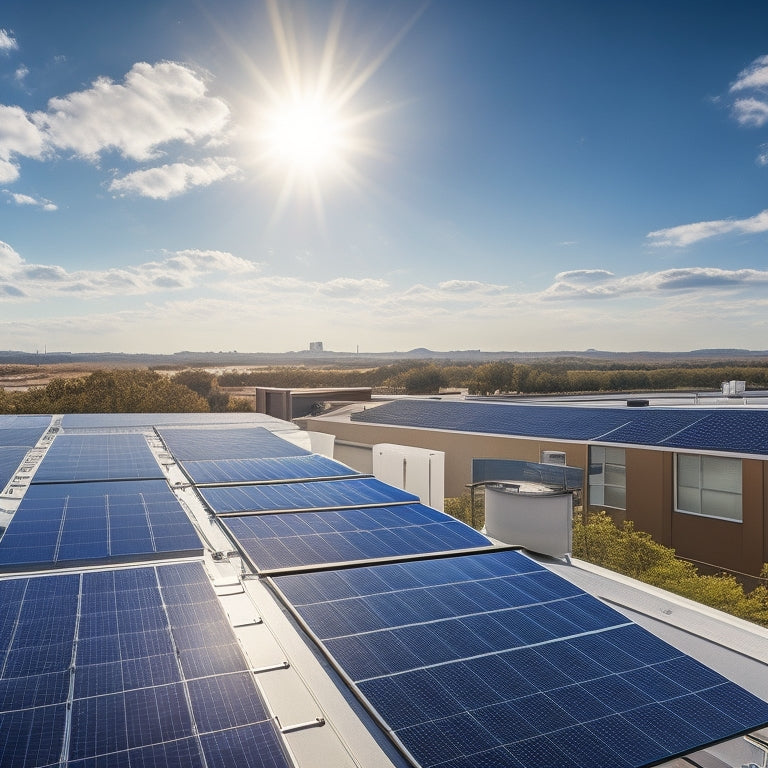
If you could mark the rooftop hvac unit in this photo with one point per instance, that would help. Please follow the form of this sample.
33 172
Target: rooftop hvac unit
553 457
734 388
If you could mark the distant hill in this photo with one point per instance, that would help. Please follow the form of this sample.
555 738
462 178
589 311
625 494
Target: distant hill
190 359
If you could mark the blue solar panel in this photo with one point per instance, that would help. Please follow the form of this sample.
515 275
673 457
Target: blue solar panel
74 458
75 421
66 523
462 681
132 703
318 494
698 429
312 538
226 443
264 470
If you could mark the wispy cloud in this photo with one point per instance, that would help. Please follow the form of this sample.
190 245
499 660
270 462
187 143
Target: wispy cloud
178 270
754 76
7 41
174 179
20 199
601 284
687 234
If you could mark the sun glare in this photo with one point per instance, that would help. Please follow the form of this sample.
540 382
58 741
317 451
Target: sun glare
313 125
305 135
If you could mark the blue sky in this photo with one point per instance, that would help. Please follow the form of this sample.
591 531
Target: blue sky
512 175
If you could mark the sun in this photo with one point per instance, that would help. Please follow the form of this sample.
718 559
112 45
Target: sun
315 116
306 135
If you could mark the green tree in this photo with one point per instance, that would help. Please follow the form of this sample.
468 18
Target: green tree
197 380
493 377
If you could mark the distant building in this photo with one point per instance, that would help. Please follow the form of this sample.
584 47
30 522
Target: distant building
315 346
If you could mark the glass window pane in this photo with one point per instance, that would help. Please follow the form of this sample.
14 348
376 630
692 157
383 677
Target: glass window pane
615 496
615 475
719 504
596 496
689 499
721 474
688 470
615 456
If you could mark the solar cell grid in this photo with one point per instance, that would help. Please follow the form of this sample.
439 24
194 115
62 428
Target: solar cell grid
311 538
264 470
319 494
77 458
133 697
73 522
461 680
226 443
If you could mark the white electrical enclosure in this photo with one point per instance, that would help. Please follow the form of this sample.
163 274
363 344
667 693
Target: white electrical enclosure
417 470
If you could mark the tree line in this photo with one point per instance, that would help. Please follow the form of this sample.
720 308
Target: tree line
565 376
119 391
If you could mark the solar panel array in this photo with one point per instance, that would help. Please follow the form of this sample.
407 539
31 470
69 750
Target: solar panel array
334 536
492 660
265 470
698 429
189 444
316 494
136 667
67 523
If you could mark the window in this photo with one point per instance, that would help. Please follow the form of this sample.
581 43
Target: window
607 477
709 485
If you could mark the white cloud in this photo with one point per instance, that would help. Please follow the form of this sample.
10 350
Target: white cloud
20 199
19 136
687 234
470 287
155 105
20 74
752 112
754 76
182 269
7 41
174 179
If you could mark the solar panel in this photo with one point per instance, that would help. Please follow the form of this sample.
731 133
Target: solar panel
313 538
131 700
490 659
69 523
76 458
264 470
319 494
227 443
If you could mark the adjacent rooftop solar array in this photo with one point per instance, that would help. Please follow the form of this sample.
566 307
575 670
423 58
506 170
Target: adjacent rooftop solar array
698 429
76 523
137 667
493 660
